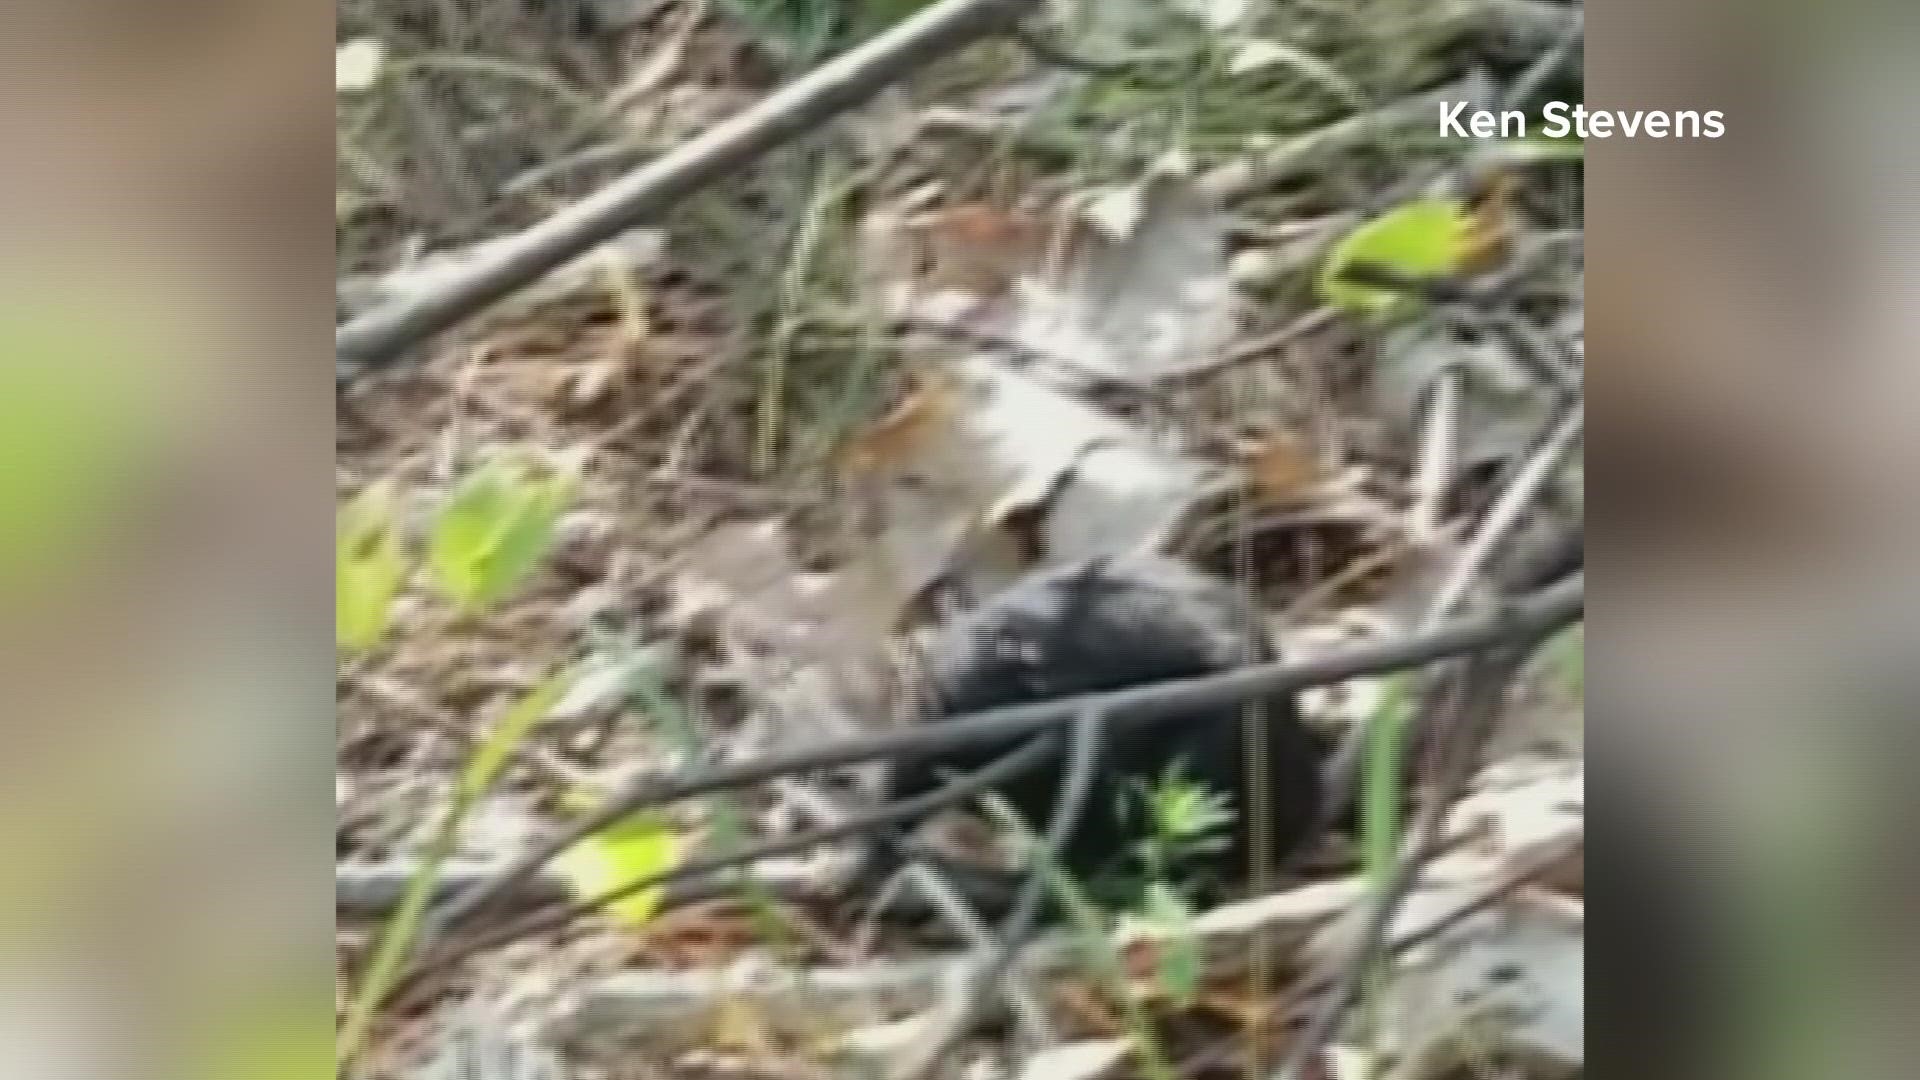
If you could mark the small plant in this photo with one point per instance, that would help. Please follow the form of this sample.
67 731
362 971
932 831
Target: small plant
1178 962
497 526
370 564
1381 797
1093 940
476 779
1381 787
491 534
1183 822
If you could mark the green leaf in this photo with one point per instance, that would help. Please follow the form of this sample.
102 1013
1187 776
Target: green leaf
468 528
1185 811
641 846
496 527
1426 238
528 535
369 565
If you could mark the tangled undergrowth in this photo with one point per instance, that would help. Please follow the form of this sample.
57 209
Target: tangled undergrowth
751 362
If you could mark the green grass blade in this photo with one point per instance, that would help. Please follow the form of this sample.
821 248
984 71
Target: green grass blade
403 928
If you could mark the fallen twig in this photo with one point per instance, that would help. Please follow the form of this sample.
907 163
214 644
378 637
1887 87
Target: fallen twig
1259 348
1243 179
1484 682
1016 762
1296 1006
379 336
1518 495
1527 619
1020 926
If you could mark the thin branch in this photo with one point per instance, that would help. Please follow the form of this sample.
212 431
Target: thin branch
1028 756
1536 615
1558 561
936 889
1546 360
1572 38
1259 348
368 892
1487 897
1439 458
1020 925
1500 521
641 196
1485 679
1243 179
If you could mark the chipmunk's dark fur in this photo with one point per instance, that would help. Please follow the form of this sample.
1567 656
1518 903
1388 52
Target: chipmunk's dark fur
1107 625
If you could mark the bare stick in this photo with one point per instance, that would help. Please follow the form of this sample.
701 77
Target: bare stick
1485 680
1487 897
1263 346
1017 762
380 335
1439 458
1505 515
1238 180
1019 927
1542 613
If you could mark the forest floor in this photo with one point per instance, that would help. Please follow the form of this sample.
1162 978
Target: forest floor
754 396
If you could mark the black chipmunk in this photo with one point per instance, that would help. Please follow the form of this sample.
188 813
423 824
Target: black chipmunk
1110 624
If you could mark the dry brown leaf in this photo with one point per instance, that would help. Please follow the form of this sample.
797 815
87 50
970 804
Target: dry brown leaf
958 477
902 434
979 249
1491 226
697 937
971 249
1283 472
1088 1009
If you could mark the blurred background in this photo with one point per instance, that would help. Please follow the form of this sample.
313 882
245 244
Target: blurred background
1750 305
165 254
1752 331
